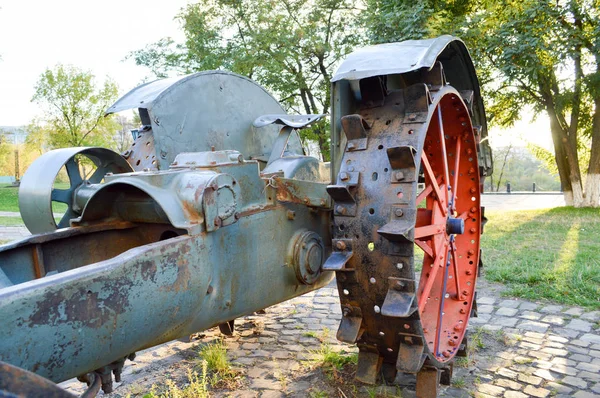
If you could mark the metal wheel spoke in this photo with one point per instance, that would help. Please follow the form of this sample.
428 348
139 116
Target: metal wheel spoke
426 192
61 195
429 230
441 309
73 172
425 247
435 265
456 172
434 183
456 271
443 144
64 221
98 175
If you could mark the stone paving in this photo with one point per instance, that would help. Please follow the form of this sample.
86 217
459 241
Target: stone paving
520 349
8 234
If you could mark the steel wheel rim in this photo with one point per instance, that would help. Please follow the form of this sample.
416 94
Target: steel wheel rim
447 286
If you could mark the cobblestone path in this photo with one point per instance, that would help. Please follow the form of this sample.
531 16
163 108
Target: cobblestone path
519 349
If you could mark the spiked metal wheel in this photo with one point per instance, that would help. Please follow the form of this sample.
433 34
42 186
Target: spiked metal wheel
409 176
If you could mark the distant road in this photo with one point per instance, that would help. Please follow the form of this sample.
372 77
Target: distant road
522 201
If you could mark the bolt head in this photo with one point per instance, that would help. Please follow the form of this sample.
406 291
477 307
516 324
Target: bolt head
399 175
398 212
340 245
344 176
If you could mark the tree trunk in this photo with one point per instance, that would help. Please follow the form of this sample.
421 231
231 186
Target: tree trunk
561 161
592 183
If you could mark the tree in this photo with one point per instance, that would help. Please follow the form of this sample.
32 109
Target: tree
122 139
288 46
529 53
74 107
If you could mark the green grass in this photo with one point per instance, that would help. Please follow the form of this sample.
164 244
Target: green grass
329 359
11 221
545 254
9 198
197 387
221 374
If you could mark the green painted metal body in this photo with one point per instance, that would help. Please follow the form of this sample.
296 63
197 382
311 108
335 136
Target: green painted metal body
121 286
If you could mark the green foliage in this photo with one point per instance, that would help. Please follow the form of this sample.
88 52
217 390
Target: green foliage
523 167
543 55
74 108
288 46
215 356
392 20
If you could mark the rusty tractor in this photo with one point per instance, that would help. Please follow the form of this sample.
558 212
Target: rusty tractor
215 212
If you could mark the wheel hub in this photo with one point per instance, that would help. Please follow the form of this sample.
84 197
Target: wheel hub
455 226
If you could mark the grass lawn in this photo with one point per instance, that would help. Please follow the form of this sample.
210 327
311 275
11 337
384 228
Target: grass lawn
9 199
551 253
11 221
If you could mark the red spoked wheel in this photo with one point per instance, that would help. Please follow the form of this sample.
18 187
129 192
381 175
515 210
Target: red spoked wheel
448 227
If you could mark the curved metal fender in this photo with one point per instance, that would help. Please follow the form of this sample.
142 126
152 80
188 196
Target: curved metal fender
412 55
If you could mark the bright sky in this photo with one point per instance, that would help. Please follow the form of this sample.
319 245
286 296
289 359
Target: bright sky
97 36
93 35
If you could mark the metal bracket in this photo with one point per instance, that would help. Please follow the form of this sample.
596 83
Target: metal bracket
351 325
293 121
398 231
338 259
402 160
399 299
355 128
417 100
369 364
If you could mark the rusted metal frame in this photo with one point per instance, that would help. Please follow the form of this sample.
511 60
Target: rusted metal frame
456 172
38 261
167 277
434 183
308 193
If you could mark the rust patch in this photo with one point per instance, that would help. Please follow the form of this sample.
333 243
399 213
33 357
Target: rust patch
148 270
83 307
